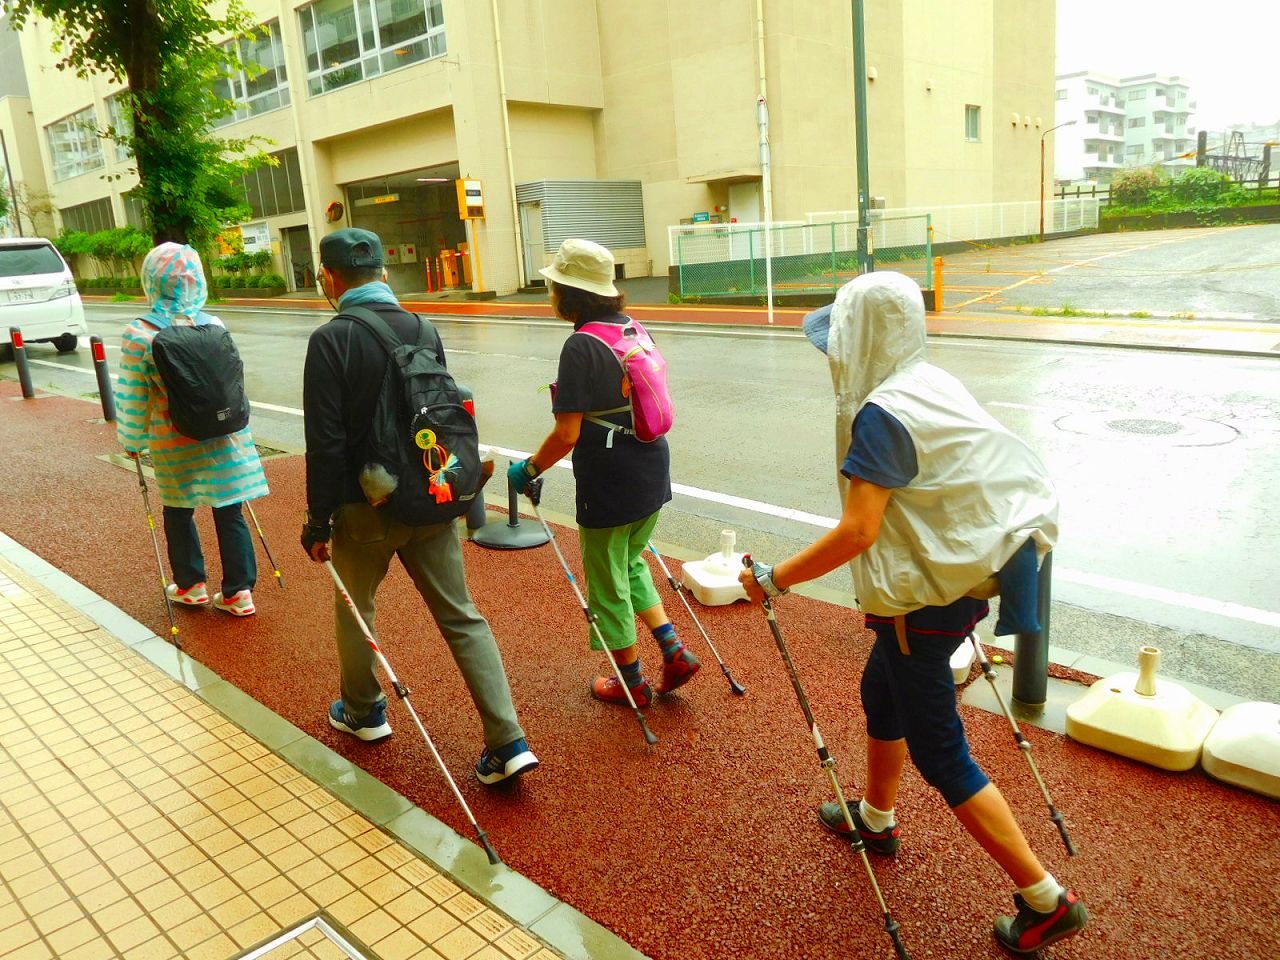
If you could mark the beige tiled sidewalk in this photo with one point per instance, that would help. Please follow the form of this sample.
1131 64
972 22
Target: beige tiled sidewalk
137 821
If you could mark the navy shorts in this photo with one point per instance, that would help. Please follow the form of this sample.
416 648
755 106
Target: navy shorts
914 697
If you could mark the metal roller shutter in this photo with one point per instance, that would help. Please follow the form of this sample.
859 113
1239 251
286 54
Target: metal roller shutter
610 212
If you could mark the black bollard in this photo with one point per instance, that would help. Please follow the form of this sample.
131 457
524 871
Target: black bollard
105 393
20 361
1031 650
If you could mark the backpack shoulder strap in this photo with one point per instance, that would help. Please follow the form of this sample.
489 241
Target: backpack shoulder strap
374 324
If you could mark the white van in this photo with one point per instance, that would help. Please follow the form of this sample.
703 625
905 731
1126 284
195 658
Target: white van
38 295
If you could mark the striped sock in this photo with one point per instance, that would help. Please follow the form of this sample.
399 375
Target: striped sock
668 641
631 673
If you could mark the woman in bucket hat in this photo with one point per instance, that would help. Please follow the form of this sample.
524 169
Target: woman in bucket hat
622 482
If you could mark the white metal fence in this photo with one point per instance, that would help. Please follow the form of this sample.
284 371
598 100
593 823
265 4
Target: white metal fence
987 221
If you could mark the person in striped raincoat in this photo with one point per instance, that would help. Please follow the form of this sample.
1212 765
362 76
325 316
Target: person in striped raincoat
220 473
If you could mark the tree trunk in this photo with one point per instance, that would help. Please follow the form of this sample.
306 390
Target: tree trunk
142 69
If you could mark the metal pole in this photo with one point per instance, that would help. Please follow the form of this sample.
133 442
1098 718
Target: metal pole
105 393
762 116
766 177
20 361
1031 650
506 136
1042 136
866 261
13 194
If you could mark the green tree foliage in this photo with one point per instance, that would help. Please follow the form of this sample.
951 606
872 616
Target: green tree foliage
116 249
167 52
1132 188
4 200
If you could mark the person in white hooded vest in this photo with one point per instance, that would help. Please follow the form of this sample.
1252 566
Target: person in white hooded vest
938 499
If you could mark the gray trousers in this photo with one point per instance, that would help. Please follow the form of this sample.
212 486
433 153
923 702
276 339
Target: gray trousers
364 541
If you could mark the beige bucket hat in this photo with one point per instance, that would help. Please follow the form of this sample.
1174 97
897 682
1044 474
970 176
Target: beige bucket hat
585 265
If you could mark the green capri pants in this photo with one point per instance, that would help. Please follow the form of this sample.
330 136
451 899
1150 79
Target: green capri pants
618 579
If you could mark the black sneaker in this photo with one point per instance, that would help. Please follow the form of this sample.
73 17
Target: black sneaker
1030 930
885 842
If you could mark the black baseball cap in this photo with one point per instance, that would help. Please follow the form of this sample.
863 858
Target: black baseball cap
351 247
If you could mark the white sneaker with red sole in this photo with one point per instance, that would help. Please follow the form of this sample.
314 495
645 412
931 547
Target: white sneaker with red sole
193 596
238 604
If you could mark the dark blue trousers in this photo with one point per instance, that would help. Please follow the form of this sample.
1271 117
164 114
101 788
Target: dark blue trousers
235 548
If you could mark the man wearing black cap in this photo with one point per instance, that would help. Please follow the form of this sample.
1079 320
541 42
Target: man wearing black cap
341 385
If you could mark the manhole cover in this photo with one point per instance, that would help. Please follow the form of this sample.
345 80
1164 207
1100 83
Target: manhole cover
1169 431
315 938
1149 428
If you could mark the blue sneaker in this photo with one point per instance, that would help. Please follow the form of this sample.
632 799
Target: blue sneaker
515 758
373 727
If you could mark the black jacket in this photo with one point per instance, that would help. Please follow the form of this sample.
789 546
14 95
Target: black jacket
340 386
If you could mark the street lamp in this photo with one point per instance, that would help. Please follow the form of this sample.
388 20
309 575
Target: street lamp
1042 136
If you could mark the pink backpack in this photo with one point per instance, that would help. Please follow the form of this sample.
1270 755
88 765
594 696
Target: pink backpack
644 381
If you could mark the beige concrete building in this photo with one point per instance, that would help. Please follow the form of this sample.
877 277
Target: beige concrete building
599 118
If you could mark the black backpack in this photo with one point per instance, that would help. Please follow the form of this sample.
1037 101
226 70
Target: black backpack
421 433
202 373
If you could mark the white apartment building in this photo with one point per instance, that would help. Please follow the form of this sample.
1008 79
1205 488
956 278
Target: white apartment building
610 120
1130 122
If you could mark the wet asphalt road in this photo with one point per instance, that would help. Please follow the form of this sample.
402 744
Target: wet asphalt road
1166 463
1228 272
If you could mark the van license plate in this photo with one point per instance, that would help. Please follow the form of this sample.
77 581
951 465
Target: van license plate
21 296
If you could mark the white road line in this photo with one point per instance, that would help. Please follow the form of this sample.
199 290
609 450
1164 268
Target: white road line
1222 608
1173 598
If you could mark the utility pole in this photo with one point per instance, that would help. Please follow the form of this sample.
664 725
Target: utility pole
1042 136
866 259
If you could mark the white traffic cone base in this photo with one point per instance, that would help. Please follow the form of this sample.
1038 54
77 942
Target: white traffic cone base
1164 725
1243 748
714 581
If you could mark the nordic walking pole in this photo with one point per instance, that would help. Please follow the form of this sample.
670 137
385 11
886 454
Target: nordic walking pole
1023 744
275 570
534 492
678 587
829 764
164 581
403 692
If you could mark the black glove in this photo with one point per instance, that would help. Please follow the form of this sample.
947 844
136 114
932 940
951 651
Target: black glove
314 532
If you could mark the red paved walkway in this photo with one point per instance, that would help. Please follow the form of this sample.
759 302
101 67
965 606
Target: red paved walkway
706 845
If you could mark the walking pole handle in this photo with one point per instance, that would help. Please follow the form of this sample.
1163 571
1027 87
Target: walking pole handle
533 490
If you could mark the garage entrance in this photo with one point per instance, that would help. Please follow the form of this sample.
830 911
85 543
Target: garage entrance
416 215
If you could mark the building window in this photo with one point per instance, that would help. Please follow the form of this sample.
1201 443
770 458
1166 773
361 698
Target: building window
273 190
121 121
255 92
972 121
74 145
1092 90
351 40
1138 122
134 213
1062 94
1137 94
90 217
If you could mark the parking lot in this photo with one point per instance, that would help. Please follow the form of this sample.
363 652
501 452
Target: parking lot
1213 273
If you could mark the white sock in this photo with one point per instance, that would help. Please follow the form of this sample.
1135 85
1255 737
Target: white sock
877 821
1042 897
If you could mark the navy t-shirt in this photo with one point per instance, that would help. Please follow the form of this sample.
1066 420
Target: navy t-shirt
619 484
880 450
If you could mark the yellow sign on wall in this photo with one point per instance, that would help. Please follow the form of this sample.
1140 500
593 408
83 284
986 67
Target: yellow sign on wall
470 199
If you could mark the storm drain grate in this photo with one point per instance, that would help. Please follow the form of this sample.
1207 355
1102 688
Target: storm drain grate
1147 428
314 938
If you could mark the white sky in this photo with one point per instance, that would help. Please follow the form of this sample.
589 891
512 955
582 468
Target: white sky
1229 52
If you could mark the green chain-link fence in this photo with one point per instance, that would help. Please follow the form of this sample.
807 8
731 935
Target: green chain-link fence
729 259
